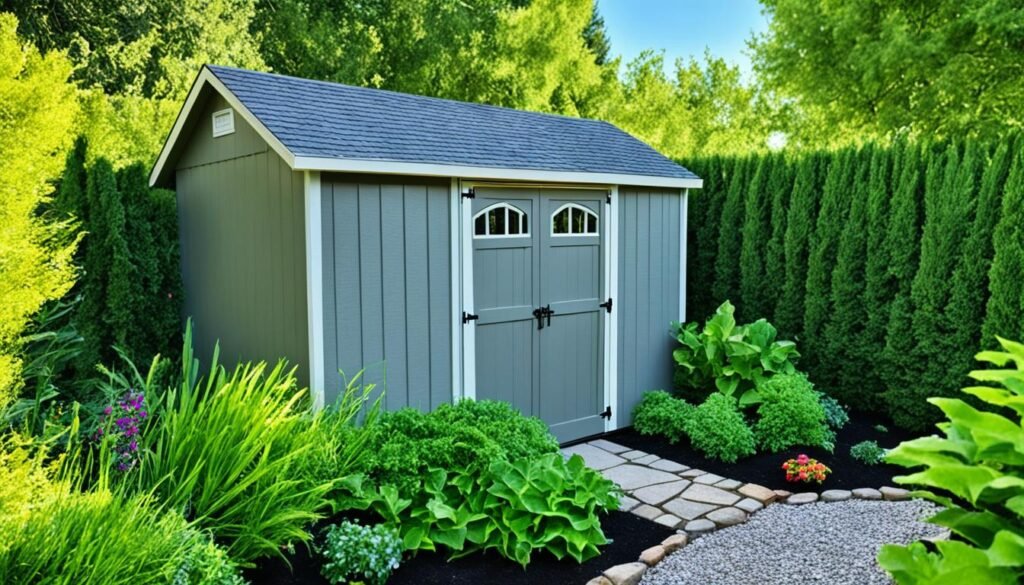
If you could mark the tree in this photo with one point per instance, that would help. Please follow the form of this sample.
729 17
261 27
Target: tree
703 221
730 241
90 318
753 301
803 209
596 37
1004 313
869 68
780 186
38 107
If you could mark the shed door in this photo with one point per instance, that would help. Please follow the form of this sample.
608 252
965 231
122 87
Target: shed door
537 287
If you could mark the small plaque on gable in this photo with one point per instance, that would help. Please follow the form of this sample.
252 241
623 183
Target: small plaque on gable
223 122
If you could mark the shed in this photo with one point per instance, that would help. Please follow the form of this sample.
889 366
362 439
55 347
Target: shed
451 250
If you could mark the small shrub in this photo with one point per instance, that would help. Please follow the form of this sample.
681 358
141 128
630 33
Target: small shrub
881 428
867 452
790 415
659 413
835 413
357 553
207 564
718 430
804 469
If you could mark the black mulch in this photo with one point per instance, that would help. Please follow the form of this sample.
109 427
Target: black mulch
766 468
629 535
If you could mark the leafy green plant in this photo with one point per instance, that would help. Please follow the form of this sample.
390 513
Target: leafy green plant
868 453
659 413
207 564
357 553
736 359
791 414
835 413
881 428
718 430
976 472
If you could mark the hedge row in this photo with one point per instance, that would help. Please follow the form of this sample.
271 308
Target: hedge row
889 266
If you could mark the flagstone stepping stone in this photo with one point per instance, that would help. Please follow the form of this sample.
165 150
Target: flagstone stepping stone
627 574
669 466
686 509
867 494
894 494
749 505
758 492
634 454
609 446
627 503
646 512
710 495
646 460
699 527
802 498
708 479
594 458
662 492
631 477
691 473
669 520
728 484
727 516
836 495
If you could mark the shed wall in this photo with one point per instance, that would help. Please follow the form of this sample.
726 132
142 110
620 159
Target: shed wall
240 218
387 286
649 281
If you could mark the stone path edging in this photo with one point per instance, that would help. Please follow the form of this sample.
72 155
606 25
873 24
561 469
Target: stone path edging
692 501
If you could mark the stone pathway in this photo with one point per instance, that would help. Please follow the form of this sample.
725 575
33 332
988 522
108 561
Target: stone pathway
670 493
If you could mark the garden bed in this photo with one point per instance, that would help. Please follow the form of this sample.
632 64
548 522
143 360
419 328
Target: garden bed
765 468
629 536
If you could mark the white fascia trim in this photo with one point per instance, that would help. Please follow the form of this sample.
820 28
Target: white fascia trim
683 218
207 77
314 286
455 226
487 173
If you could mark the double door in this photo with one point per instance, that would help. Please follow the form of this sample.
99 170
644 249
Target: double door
539 306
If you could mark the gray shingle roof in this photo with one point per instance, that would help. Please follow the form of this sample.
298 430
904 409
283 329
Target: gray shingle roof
321 119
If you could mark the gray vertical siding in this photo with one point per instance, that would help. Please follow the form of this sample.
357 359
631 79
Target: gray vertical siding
241 222
649 282
387 281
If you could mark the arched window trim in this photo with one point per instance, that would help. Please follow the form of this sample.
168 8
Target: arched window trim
511 210
587 213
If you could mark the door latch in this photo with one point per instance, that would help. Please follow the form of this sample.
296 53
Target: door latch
467 317
607 414
607 305
542 313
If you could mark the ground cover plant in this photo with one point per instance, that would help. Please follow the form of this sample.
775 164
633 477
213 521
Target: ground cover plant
360 553
868 452
660 413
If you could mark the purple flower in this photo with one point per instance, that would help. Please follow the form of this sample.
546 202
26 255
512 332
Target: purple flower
107 410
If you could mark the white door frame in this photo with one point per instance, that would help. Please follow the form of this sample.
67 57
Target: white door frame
464 336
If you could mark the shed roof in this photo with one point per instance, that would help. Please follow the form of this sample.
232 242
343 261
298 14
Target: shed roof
331 126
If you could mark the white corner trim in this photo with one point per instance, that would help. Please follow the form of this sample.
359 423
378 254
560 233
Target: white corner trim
314 286
455 227
612 323
469 329
683 218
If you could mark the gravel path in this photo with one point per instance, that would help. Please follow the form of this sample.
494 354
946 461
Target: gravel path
827 543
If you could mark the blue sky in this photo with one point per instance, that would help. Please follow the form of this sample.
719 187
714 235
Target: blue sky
683 27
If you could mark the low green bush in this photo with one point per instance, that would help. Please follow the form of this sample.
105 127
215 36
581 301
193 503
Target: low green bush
791 414
661 414
718 430
976 472
362 554
868 453
835 413
207 564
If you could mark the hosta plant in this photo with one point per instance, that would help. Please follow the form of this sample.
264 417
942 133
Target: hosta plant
805 469
975 470
733 358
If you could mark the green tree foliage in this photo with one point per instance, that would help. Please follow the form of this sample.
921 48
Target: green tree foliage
705 209
779 188
754 296
730 235
596 37
803 209
37 109
1004 313
879 286
90 318
869 68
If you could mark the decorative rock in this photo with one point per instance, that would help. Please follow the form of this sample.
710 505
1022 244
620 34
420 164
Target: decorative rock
627 503
626 574
710 495
783 494
662 492
691 473
698 527
602 580
944 535
758 492
594 458
728 484
867 494
634 454
631 477
749 505
836 495
894 494
674 543
727 516
669 466
668 520
645 511
802 498
686 509
652 556
646 460
609 446
708 479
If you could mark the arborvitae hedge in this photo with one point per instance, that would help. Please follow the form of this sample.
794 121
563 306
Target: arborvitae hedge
886 264
704 216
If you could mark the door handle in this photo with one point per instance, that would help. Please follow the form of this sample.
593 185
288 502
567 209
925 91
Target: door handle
538 314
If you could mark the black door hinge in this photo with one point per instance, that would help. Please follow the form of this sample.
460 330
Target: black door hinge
608 198
469 193
467 317
607 413
607 305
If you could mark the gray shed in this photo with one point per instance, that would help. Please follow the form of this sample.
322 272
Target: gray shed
452 250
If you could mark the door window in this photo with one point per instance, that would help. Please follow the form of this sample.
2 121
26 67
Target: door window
573 220
500 220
